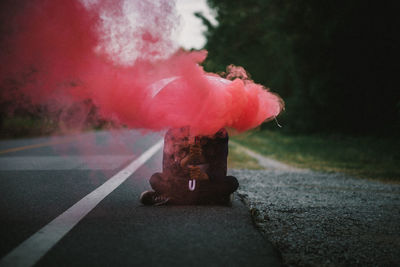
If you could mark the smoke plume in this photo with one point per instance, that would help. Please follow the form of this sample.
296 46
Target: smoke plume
120 57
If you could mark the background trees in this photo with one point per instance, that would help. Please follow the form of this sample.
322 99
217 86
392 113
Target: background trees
335 64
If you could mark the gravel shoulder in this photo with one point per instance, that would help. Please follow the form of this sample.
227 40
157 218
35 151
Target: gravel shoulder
324 219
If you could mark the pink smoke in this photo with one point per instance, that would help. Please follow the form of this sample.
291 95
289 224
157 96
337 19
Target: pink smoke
60 54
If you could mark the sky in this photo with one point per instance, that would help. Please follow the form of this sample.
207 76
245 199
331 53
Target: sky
190 33
187 30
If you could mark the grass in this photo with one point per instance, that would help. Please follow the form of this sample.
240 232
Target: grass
31 126
25 126
364 157
240 160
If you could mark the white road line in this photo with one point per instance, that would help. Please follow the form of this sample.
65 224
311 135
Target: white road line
36 246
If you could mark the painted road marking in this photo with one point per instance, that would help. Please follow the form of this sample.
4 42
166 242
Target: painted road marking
54 163
36 246
15 149
55 142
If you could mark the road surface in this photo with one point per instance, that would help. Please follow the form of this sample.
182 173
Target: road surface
73 201
323 219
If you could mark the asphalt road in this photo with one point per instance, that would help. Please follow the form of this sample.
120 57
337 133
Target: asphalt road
41 179
323 219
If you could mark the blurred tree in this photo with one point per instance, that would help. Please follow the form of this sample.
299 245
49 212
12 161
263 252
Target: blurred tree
335 64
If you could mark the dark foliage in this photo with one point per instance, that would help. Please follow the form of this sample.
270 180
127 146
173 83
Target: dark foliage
334 63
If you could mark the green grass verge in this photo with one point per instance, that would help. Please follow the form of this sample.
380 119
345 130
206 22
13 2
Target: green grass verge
239 160
25 126
364 157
